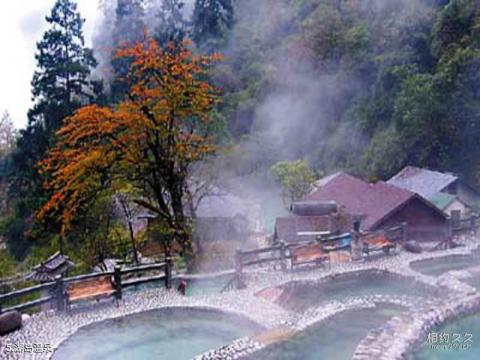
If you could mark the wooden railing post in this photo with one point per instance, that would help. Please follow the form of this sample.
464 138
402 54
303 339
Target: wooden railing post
449 239
366 250
404 232
453 224
238 269
283 255
168 272
238 261
60 295
117 279
355 249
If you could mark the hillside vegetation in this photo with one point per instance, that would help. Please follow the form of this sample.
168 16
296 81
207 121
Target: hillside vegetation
366 86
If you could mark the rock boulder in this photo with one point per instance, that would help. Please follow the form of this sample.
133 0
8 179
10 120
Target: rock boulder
413 247
10 321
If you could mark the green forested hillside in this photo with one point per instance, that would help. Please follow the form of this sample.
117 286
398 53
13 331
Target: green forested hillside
370 86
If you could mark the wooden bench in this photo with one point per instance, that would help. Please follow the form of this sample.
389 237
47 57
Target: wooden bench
90 289
377 243
306 254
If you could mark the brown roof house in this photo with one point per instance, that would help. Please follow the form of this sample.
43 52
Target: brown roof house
382 205
445 190
309 219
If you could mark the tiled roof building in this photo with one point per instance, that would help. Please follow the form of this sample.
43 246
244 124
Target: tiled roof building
381 205
55 265
445 190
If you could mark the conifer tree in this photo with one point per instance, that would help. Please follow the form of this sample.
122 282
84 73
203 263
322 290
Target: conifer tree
61 84
173 27
129 28
212 19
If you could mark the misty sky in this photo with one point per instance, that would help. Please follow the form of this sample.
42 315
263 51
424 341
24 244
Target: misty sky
22 24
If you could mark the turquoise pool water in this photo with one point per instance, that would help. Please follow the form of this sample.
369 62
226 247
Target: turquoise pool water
436 267
461 328
206 286
300 296
169 334
333 339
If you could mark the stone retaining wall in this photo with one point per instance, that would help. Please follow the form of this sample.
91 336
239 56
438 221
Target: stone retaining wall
402 334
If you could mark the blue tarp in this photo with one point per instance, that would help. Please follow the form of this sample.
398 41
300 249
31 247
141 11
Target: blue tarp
339 241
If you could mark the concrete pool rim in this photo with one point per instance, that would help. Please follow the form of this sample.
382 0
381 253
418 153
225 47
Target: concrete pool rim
404 334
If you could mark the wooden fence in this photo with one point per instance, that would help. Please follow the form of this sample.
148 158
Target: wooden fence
56 289
462 226
397 234
281 253
50 287
245 258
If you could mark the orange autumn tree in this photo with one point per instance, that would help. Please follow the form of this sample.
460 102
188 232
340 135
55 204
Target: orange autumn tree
150 141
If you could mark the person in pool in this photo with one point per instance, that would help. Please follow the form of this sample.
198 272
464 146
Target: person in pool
182 287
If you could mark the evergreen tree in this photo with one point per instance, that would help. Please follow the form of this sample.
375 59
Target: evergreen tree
212 19
431 118
129 28
7 135
61 82
172 26
129 21
60 85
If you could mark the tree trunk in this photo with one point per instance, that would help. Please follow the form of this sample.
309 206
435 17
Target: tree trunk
181 226
134 243
193 214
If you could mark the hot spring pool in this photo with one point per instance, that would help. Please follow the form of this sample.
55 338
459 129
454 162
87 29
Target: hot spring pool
436 267
299 296
170 334
335 338
463 326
